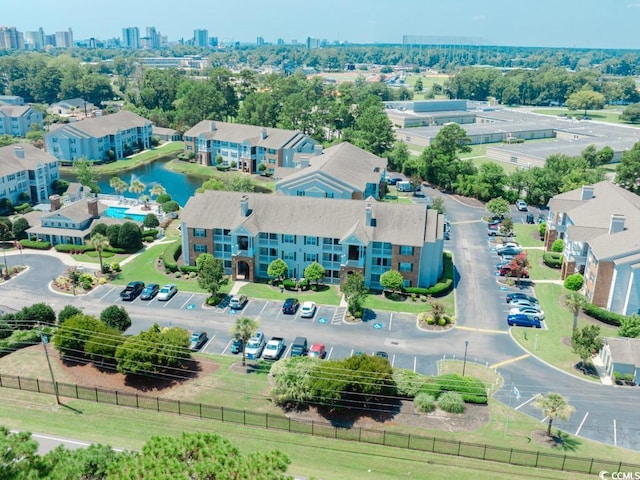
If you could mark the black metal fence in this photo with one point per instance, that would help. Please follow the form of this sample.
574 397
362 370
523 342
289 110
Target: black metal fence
513 456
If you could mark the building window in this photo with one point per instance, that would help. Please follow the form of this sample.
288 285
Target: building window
406 267
406 283
199 232
310 257
406 250
311 240
300 193
286 238
199 248
289 256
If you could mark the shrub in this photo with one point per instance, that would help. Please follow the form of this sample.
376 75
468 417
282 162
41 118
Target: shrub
70 248
19 339
542 228
148 238
170 256
407 382
36 245
430 386
152 232
451 402
630 327
163 198
553 260
444 285
471 389
424 403
289 284
603 315
170 206
557 246
188 269
574 282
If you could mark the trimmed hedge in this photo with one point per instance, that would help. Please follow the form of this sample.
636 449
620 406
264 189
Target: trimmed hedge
289 284
19 339
407 382
152 232
35 244
170 256
603 315
70 248
109 248
444 285
472 389
553 260
188 269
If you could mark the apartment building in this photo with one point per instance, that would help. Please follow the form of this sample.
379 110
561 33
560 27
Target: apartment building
110 137
248 231
248 146
16 120
600 227
342 171
26 169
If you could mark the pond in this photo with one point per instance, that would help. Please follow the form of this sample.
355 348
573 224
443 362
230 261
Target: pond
180 186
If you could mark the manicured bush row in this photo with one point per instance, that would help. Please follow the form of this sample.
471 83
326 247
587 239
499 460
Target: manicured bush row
36 245
471 388
603 315
170 256
407 382
152 232
189 269
70 248
17 340
553 260
289 284
444 285
109 248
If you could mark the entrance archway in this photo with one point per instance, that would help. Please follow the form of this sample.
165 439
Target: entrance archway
242 270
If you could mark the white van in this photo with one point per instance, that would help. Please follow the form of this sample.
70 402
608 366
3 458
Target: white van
404 186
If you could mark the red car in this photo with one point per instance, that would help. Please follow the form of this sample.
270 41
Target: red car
317 350
505 271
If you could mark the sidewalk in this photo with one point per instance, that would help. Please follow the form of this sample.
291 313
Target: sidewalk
604 378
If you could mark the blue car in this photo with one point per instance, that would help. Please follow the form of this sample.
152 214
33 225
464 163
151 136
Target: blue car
522 320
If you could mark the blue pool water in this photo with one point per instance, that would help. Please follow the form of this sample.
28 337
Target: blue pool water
119 212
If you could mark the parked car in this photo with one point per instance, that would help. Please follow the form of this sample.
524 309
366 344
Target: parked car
317 350
526 310
308 309
237 302
419 193
521 205
520 320
513 295
522 303
290 306
393 180
504 245
510 251
255 346
197 340
506 271
299 347
236 345
150 291
530 219
131 291
382 354
167 292
502 263
274 348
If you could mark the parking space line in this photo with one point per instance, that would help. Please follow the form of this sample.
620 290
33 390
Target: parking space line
393 360
582 423
287 351
390 320
527 402
615 433
481 330
108 292
208 343
186 301
415 364
544 419
263 307
328 355
228 345
509 360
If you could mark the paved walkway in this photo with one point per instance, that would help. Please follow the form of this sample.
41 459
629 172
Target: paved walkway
237 285
604 377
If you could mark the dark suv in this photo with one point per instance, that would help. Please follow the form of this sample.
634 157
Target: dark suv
290 306
131 291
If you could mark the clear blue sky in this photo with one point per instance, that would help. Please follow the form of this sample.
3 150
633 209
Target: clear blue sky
554 23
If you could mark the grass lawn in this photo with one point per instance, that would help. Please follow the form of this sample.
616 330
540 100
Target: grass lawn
527 235
551 347
538 270
167 150
507 167
331 296
107 260
605 115
407 305
262 184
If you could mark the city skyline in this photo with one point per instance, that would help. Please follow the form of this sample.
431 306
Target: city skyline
567 24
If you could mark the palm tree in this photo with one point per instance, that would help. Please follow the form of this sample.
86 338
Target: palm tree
99 242
554 405
137 187
575 302
118 185
244 328
156 190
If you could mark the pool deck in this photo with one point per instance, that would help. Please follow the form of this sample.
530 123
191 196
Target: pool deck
134 206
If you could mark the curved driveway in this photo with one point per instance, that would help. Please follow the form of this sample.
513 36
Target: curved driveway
604 413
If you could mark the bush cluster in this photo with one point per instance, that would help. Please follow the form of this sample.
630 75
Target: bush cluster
70 248
170 256
36 245
451 402
603 315
553 260
574 282
471 389
444 285
407 382
424 403
188 269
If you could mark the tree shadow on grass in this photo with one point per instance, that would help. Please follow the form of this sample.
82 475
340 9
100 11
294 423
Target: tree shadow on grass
347 416
168 378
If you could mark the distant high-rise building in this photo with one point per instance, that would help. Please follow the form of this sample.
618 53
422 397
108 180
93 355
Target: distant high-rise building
50 40
64 39
213 42
92 42
154 37
313 43
280 42
201 38
260 41
34 40
11 38
131 38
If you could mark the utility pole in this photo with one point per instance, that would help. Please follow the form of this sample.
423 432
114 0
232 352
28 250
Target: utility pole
45 340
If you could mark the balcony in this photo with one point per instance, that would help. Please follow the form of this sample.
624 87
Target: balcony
238 252
357 263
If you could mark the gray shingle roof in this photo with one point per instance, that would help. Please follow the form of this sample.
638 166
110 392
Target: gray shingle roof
238 133
101 126
78 211
398 224
14 110
624 350
345 162
10 163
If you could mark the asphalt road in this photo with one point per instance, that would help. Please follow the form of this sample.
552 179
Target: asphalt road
603 413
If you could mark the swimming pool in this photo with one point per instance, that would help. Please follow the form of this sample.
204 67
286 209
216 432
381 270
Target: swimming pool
121 212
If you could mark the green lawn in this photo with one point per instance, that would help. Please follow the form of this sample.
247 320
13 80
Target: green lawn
407 305
553 344
261 184
527 235
605 115
331 296
167 150
538 270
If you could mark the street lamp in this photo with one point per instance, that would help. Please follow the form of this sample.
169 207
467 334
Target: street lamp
464 363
